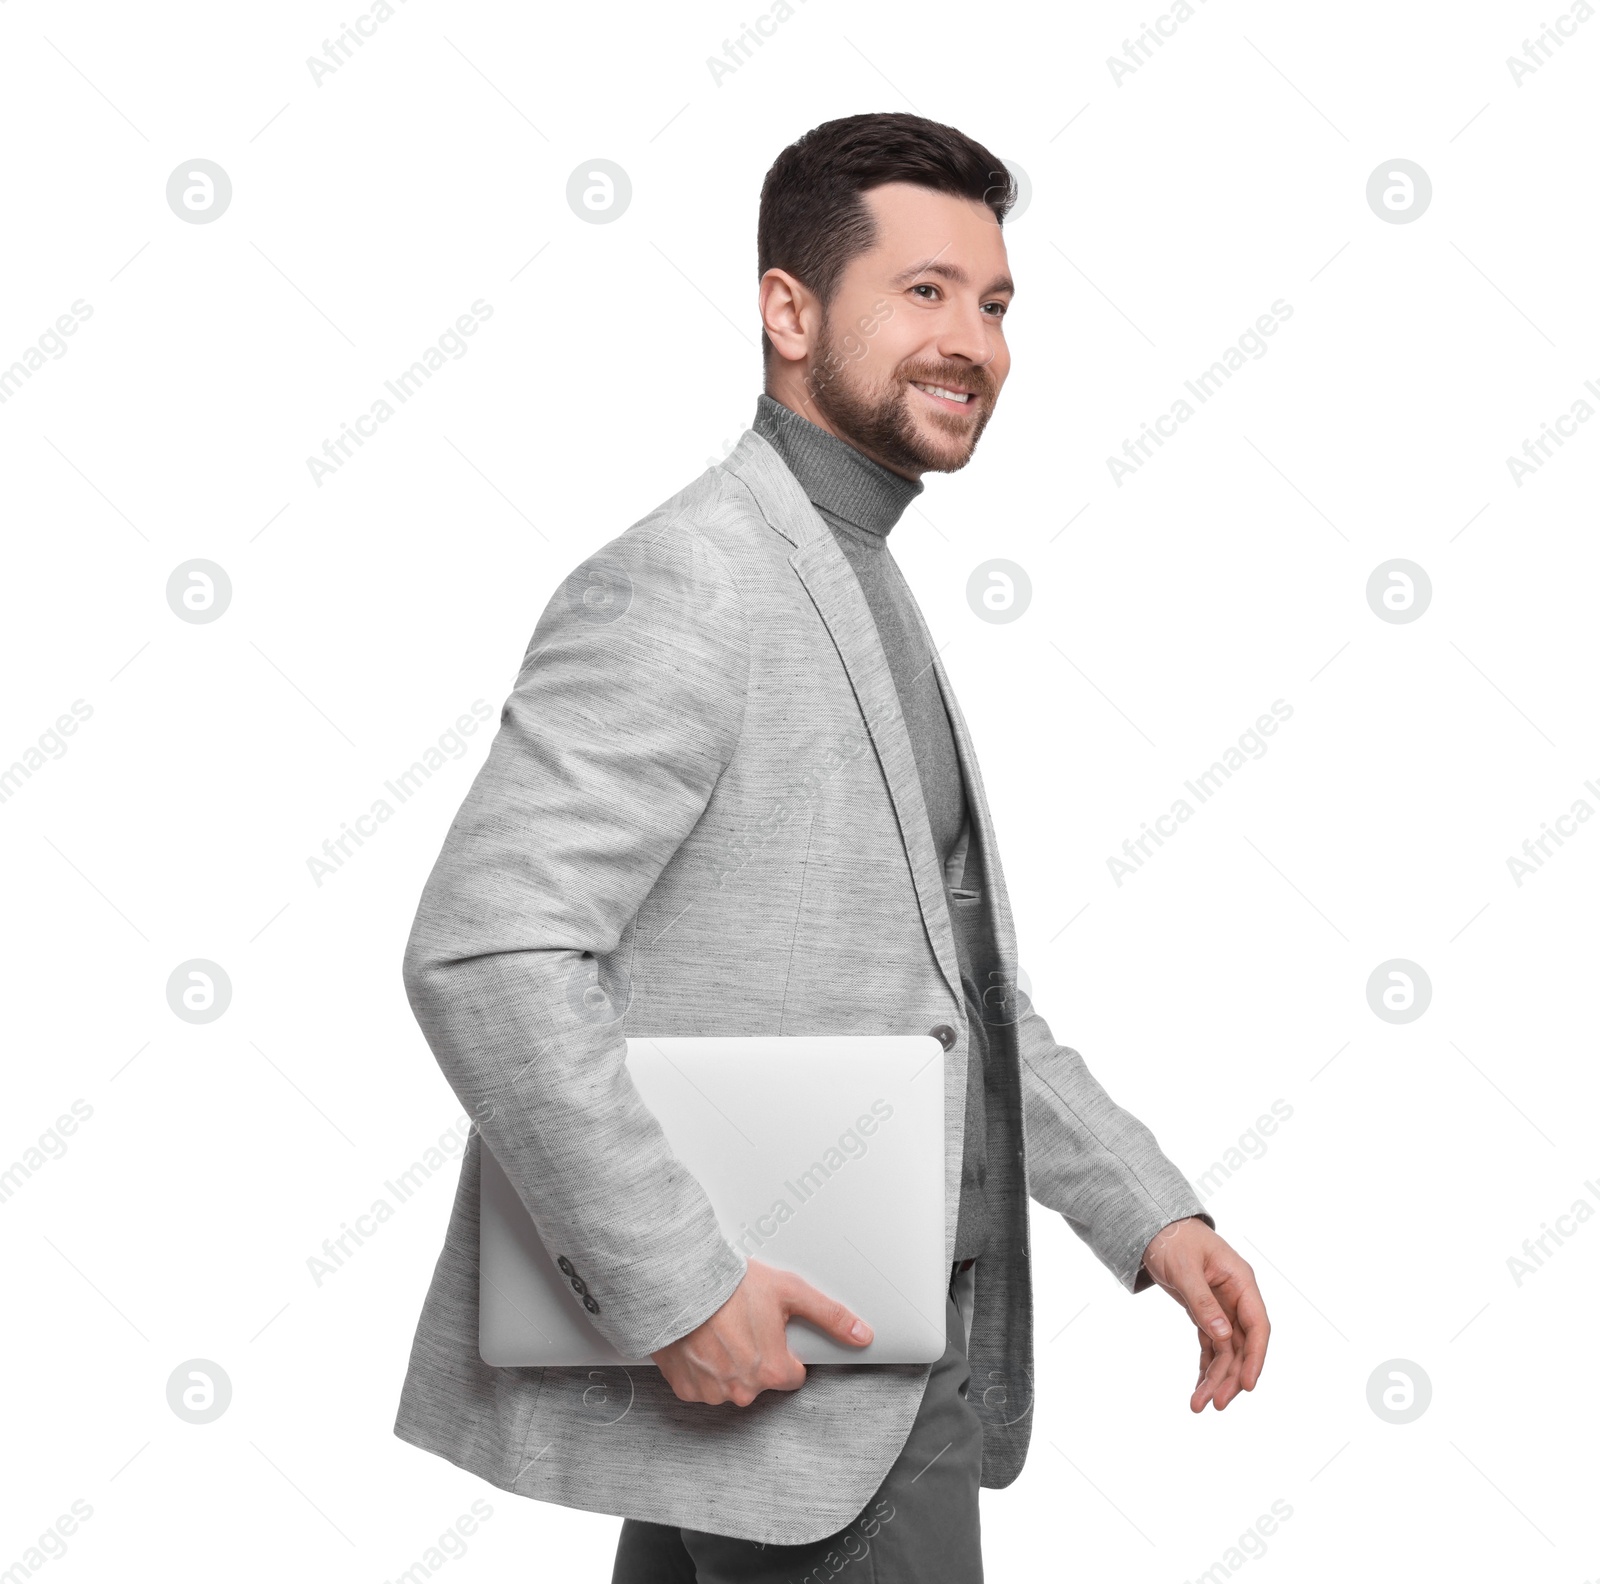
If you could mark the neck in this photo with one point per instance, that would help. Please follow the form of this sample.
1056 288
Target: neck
791 394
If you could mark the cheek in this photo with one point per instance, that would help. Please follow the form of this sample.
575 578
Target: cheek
890 349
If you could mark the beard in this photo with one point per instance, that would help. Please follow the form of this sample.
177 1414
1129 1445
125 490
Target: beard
878 418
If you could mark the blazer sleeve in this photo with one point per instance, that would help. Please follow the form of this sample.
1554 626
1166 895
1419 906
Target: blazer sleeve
627 709
1094 1163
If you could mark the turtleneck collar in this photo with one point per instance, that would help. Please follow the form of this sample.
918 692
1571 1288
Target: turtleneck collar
839 480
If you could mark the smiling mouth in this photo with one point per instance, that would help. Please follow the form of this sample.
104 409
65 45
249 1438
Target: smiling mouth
944 396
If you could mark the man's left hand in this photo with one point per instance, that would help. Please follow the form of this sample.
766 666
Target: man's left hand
1218 1290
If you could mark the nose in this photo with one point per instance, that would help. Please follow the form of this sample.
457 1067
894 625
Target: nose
968 336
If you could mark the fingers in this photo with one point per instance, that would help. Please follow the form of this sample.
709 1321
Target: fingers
1203 1386
1238 1361
1225 1383
682 1381
1219 1368
1235 1287
740 1386
1220 1356
1251 1313
799 1297
785 1374
1195 1294
743 1349
1224 1302
1219 1374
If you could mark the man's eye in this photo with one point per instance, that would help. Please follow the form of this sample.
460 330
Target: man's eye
926 286
1001 306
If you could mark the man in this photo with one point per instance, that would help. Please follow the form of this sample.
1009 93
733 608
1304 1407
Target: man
732 793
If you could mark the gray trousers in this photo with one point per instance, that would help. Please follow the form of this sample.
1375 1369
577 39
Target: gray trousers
921 1527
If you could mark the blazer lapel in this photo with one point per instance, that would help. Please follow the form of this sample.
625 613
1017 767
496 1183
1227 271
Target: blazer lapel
831 582
981 829
1001 1002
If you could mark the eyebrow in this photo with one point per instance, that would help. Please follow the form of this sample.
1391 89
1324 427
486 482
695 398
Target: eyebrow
952 273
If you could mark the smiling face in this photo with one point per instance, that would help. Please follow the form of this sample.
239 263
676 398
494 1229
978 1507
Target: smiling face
907 360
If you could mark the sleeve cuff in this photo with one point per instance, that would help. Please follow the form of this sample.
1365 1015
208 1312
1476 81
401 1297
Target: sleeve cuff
723 1279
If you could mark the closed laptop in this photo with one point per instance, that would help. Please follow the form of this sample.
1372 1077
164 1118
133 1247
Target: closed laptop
823 1155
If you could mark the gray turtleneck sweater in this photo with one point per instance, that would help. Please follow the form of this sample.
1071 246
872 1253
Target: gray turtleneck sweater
861 502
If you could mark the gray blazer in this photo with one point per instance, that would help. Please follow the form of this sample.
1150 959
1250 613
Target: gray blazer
701 815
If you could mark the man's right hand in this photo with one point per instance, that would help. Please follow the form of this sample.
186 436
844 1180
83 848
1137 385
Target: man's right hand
743 1350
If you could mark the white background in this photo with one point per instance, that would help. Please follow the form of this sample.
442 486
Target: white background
1168 612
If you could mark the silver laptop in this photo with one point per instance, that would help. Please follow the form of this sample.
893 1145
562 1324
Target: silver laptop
820 1154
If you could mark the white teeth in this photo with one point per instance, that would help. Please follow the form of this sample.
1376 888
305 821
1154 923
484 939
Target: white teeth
939 390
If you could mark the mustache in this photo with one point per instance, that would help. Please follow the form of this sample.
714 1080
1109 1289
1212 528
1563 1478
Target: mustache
954 377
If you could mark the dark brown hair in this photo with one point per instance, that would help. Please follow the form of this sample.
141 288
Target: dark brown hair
813 220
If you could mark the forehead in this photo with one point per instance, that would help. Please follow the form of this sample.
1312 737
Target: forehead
917 225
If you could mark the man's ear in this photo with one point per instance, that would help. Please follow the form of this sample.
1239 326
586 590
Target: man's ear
788 310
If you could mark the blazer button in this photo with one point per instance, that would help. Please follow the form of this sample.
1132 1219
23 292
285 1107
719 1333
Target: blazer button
580 1286
945 1035
590 1304
565 1266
